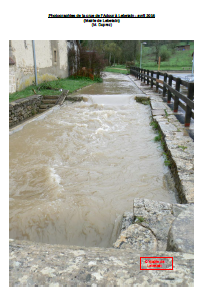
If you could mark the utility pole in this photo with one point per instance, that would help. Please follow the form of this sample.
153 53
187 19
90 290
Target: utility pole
33 46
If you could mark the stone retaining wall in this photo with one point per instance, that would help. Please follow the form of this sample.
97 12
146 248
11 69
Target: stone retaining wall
22 109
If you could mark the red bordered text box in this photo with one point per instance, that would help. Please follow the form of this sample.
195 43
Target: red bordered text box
155 258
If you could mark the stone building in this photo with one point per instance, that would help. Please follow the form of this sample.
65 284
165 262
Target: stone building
51 62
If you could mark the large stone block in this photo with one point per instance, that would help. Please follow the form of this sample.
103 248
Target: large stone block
136 237
43 265
149 219
181 234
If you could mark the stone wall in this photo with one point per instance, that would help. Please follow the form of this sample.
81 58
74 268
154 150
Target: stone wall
22 109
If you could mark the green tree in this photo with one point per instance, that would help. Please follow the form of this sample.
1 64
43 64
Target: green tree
113 51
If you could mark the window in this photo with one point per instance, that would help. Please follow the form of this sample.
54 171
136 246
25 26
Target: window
55 58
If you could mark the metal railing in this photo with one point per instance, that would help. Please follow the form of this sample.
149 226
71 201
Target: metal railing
151 78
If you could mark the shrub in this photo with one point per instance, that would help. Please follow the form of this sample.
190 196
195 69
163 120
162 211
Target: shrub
130 64
88 64
164 53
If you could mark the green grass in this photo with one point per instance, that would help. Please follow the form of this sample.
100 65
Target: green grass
154 124
117 69
167 163
158 137
66 84
179 60
182 147
119 66
140 219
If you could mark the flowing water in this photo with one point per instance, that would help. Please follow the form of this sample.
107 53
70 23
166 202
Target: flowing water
74 173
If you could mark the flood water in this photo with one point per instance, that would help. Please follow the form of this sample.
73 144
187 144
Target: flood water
74 173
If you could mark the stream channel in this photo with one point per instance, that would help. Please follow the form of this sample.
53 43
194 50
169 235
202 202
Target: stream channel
74 173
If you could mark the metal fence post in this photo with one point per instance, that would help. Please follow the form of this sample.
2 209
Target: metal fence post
144 75
164 87
152 73
170 77
176 99
157 84
188 109
147 77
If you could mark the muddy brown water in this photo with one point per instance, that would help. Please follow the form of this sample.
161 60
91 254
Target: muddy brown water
74 173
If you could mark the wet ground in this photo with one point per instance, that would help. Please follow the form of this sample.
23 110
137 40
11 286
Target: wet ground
74 173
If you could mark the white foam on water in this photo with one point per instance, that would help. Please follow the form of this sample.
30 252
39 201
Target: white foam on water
55 177
111 99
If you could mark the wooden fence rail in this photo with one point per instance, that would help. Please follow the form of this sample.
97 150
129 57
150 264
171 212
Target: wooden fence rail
152 79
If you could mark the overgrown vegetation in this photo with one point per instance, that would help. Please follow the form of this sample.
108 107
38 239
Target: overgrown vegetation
86 63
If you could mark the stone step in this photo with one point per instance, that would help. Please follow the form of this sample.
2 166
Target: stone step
49 101
43 106
50 97
46 106
42 110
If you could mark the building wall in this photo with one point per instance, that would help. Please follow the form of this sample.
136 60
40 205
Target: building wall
12 79
51 61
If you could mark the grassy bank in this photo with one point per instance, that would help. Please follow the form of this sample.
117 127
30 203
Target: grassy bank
176 60
52 87
121 69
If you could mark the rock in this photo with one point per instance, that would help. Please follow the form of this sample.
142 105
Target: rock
157 217
148 215
127 220
74 99
181 234
136 237
141 98
178 208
